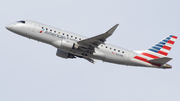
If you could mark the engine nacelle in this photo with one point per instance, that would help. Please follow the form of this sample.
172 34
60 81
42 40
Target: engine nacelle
65 45
63 54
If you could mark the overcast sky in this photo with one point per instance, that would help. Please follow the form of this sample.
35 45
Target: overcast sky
30 70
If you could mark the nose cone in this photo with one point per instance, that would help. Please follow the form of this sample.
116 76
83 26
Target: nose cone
8 27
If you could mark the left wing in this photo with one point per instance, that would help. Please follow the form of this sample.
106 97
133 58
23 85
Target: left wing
97 40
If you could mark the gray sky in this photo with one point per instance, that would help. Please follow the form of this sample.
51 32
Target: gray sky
30 70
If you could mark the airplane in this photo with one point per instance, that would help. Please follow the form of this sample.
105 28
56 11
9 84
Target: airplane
70 46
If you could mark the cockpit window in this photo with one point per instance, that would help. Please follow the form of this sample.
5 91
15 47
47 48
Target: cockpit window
21 22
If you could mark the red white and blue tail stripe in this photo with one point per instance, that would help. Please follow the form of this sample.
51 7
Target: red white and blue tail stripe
161 49
157 52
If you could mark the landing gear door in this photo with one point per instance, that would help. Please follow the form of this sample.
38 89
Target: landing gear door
34 27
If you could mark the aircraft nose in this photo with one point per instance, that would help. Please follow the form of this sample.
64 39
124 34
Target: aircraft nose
8 26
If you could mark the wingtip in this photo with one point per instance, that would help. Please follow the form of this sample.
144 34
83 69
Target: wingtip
117 25
112 29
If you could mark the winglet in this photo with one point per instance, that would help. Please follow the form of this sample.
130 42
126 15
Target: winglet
110 31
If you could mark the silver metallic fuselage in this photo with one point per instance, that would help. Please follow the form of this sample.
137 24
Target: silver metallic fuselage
104 52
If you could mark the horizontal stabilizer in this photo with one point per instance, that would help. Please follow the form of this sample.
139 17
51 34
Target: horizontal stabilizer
160 61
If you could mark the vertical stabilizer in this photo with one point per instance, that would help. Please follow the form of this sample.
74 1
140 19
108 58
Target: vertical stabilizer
157 54
161 49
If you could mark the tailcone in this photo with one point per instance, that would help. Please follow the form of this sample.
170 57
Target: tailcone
166 66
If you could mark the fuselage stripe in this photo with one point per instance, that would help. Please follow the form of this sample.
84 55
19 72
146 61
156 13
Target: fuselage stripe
142 59
150 55
145 60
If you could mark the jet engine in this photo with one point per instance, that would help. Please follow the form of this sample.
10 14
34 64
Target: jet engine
65 45
63 54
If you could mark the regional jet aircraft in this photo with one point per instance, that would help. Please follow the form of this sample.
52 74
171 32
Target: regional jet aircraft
70 45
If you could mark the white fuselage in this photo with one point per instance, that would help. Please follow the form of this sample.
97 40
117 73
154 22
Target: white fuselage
64 41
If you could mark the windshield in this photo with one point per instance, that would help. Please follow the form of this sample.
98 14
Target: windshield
21 22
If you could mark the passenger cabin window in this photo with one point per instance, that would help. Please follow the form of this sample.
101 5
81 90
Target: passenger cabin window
46 28
118 50
50 29
42 27
79 38
75 37
58 32
21 22
54 31
122 51
114 49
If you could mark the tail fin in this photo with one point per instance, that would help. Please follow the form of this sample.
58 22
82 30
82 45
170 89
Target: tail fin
160 49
